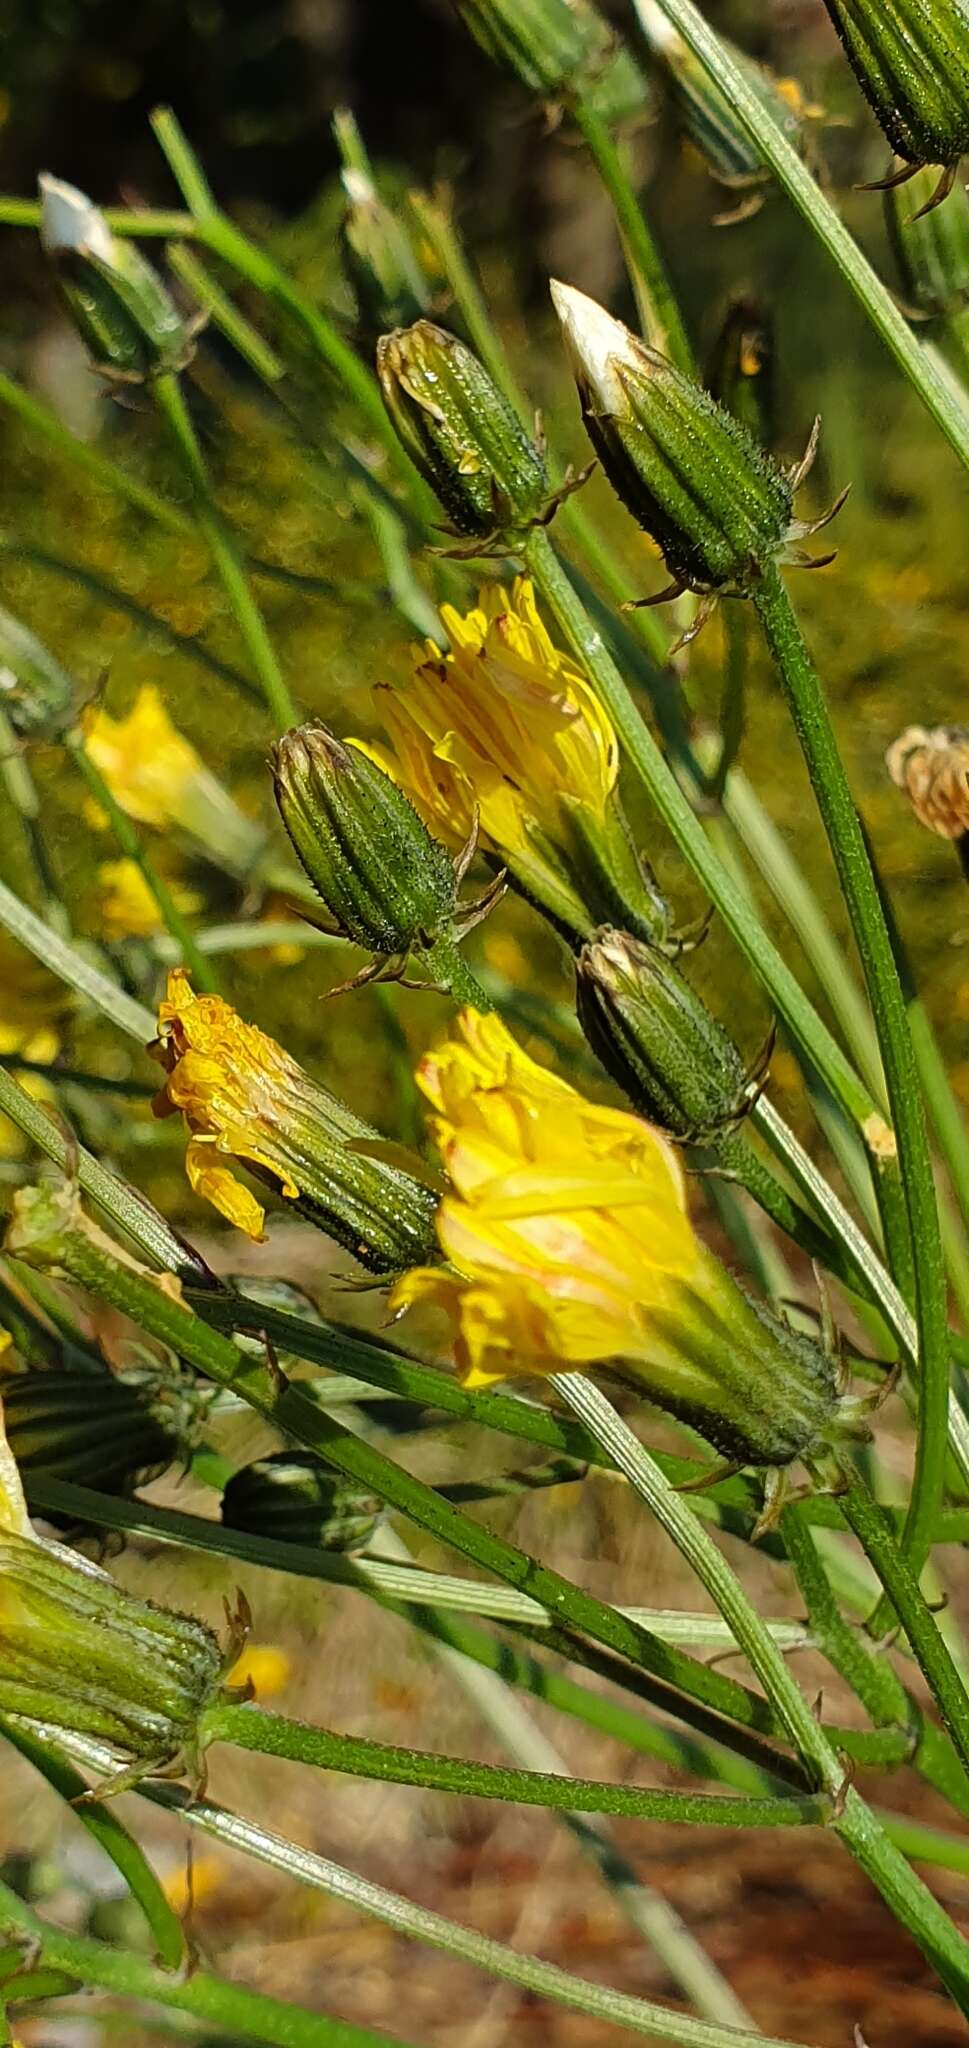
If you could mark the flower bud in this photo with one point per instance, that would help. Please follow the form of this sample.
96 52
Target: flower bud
691 474
705 114
122 310
79 1652
460 432
930 244
98 1429
294 1499
37 695
385 882
386 278
562 49
657 1039
911 61
244 1099
932 767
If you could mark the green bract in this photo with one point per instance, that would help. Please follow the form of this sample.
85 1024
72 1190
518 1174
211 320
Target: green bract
657 1039
930 244
559 48
688 471
385 882
911 60
296 1500
123 311
460 432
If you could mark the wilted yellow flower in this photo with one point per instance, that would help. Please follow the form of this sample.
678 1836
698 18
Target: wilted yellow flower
126 905
244 1098
570 1243
505 729
158 779
932 767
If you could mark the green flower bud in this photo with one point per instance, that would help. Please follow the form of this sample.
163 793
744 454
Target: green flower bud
80 1653
294 1499
461 433
385 882
99 1429
705 114
656 1038
562 49
386 278
911 60
36 694
930 244
691 474
121 308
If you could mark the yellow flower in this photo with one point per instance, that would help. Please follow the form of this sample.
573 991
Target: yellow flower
244 1098
33 1004
505 729
158 779
569 1243
126 905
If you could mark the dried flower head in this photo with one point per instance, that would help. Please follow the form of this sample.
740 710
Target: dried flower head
932 767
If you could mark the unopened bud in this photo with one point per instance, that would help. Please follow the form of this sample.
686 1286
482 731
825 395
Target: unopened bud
562 49
294 1499
912 64
100 1429
460 432
693 476
122 310
657 1039
384 273
37 695
705 114
385 882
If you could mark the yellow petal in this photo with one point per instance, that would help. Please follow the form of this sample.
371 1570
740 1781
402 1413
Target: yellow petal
215 1184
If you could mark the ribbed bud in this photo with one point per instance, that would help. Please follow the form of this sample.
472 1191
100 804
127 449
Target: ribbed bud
385 882
386 278
705 115
656 1038
98 1429
121 308
79 1652
562 49
460 432
294 1499
692 475
36 694
930 244
911 60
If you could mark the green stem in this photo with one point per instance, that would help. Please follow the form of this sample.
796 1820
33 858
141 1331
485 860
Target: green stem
436 224
897 1576
445 964
74 967
805 699
659 312
245 338
41 419
104 1827
225 553
22 792
208 1998
254 1728
925 369
131 845
908 1898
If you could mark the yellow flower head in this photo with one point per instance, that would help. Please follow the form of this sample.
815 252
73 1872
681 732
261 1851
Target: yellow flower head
229 1080
158 779
567 1229
244 1098
127 907
505 724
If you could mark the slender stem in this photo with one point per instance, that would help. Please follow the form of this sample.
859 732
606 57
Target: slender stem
104 1827
435 221
22 792
924 368
661 785
445 964
658 309
225 553
897 1576
74 967
853 1822
255 1728
41 419
246 339
131 845
805 698
207 1997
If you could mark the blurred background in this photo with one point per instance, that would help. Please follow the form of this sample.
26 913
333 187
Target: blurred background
255 86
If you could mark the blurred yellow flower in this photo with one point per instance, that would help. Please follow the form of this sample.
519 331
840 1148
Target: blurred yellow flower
504 728
126 906
264 1668
159 779
567 1229
33 1004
